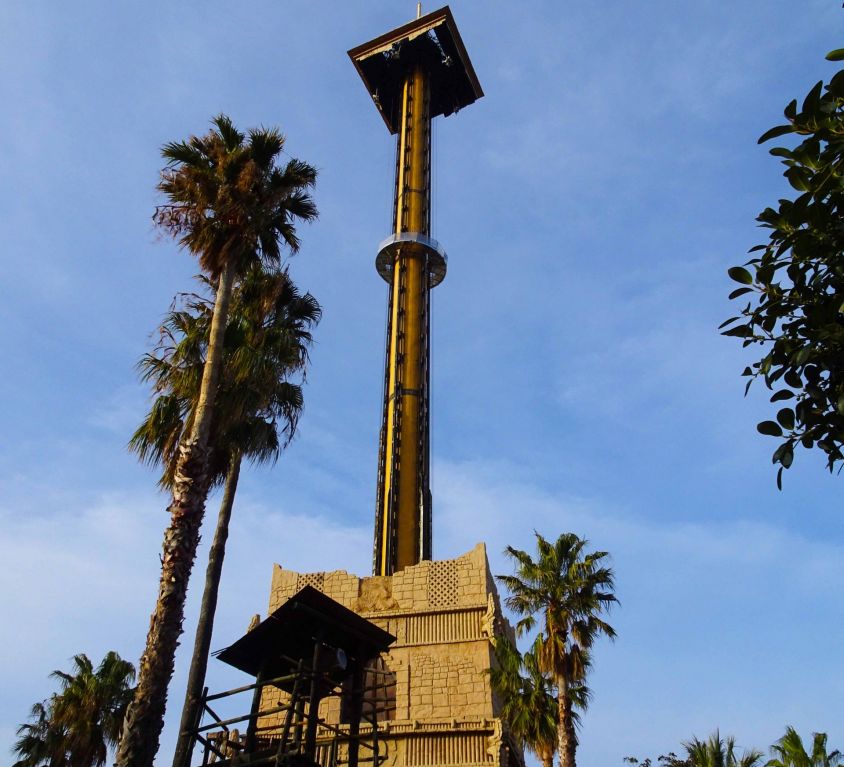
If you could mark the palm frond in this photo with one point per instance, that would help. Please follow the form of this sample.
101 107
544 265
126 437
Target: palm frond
266 343
231 136
265 145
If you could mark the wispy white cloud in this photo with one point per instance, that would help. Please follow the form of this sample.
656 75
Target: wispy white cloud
121 411
709 610
492 501
85 581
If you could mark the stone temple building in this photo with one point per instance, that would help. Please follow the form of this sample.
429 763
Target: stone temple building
437 707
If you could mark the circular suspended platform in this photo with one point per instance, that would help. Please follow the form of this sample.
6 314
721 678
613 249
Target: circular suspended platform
413 245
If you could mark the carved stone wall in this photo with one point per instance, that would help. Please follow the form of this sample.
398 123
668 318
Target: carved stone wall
445 616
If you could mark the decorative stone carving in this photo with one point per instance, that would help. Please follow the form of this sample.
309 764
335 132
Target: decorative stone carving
489 624
496 741
376 595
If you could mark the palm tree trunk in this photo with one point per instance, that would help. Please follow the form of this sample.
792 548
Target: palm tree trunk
145 715
564 724
205 626
571 734
547 758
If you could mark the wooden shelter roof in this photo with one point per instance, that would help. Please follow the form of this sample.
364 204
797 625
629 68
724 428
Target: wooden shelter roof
294 628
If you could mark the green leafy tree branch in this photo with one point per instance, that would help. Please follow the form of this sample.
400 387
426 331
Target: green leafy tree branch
795 283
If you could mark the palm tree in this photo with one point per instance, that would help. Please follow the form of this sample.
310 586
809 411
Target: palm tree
78 725
232 206
789 751
40 744
539 698
266 341
528 702
91 705
528 705
718 752
569 590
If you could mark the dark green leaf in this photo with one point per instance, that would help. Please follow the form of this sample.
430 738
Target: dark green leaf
781 395
769 428
779 479
810 103
786 418
793 379
739 292
764 274
836 84
740 331
791 110
836 55
815 393
787 457
780 130
802 355
740 274
798 179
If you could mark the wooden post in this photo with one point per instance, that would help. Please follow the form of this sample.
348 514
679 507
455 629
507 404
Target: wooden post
253 712
313 702
291 710
355 713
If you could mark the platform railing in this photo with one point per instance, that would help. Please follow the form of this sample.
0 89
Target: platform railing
283 741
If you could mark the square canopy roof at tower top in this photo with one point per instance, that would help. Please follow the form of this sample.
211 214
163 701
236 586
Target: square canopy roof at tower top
434 42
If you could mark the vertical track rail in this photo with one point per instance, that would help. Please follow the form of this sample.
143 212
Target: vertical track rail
403 514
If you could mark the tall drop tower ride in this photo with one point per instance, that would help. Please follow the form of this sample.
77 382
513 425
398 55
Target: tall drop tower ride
431 691
414 73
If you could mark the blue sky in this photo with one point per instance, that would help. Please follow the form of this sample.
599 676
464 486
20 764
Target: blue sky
590 205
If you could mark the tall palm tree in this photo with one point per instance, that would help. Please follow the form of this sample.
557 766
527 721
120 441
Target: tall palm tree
257 410
719 752
83 720
231 205
789 751
569 590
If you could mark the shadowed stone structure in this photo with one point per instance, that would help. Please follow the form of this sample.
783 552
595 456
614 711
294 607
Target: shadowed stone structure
438 706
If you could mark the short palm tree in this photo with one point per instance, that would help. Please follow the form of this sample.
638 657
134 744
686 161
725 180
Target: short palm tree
569 590
539 698
257 410
528 705
233 207
40 743
789 751
719 752
83 720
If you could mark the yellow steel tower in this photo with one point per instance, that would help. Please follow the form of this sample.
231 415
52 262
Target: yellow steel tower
414 73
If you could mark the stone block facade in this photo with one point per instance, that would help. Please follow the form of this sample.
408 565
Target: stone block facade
445 616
